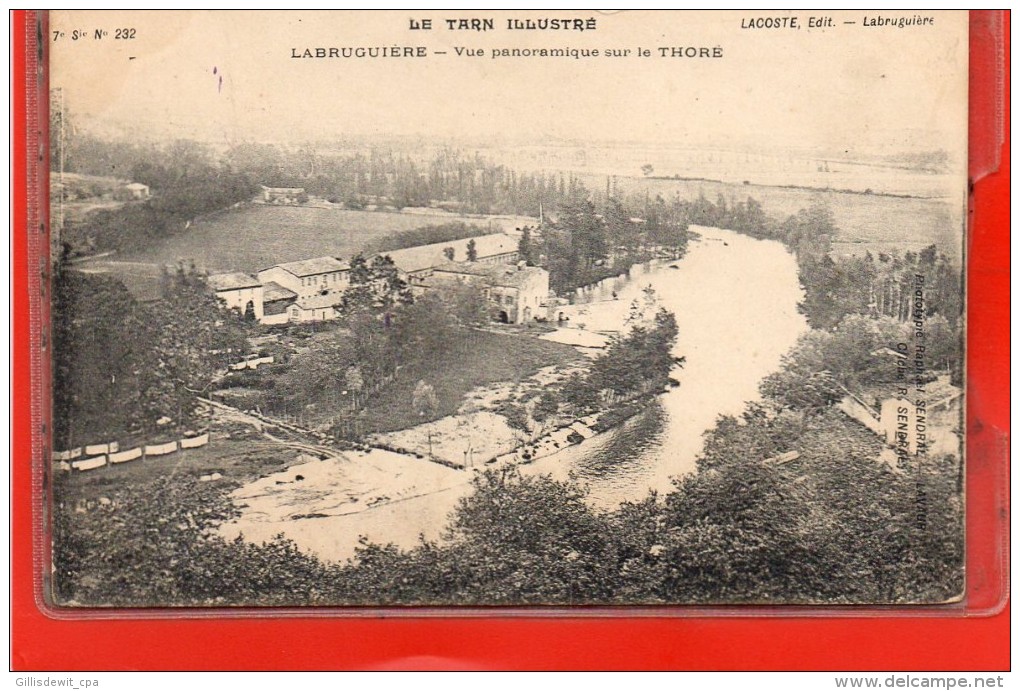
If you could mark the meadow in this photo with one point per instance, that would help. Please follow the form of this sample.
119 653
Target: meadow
256 236
879 223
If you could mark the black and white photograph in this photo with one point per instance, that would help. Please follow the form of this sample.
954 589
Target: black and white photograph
507 309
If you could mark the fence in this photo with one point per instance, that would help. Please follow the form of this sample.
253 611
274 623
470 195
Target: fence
99 455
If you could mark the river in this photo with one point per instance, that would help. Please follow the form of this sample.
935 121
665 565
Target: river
735 299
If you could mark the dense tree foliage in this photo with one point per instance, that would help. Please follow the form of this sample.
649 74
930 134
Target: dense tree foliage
430 235
832 526
375 284
789 503
584 246
377 342
150 545
637 363
185 181
121 366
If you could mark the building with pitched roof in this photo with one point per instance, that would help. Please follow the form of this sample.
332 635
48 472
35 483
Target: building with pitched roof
516 294
239 291
284 195
276 299
313 289
416 263
310 277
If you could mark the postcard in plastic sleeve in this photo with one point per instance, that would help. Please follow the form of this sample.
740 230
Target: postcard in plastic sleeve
532 309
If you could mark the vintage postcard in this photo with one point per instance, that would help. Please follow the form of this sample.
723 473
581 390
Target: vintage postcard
507 308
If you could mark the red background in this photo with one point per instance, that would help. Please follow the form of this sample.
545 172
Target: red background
943 643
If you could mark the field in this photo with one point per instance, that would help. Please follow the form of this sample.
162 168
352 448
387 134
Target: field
473 358
256 236
866 222
479 359
240 460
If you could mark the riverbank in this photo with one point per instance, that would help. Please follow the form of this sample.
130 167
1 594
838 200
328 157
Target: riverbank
735 300
786 506
409 481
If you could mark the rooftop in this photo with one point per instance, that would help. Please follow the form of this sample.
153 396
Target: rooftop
427 256
311 267
234 280
275 291
497 274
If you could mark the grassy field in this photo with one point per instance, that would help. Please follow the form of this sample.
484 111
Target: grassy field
256 236
240 460
867 222
480 358
473 359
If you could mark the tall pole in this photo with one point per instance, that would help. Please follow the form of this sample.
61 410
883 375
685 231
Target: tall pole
60 203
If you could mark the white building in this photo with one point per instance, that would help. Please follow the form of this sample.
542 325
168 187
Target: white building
239 291
307 278
416 263
283 195
517 294
316 308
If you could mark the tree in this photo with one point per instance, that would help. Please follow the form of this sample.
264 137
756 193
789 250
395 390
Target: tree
587 237
425 404
809 231
647 169
545 409
516 416
524 246
355 383
448 252
196 337
103 347
472 250
528 540
374 285
465 303
618 227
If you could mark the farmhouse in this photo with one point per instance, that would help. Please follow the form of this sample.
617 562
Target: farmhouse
516 293
239 291
133 190
417 263
306 290
284 195
928 423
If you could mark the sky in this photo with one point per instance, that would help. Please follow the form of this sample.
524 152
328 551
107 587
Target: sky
229 76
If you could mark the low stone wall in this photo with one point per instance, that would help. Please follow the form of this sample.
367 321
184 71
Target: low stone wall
125 456
252 363
99 455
